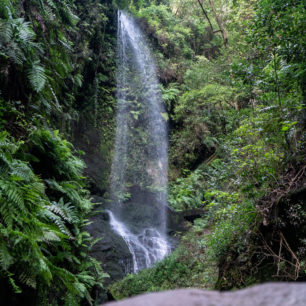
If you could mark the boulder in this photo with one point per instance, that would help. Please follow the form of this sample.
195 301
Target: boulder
269 294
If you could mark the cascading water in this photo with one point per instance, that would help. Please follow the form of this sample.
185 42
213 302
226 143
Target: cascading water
139 170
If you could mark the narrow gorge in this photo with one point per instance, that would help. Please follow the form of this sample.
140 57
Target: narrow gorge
152 145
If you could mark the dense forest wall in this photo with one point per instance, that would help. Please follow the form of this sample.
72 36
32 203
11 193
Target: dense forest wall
57 63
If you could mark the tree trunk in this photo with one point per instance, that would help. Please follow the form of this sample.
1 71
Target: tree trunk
218 19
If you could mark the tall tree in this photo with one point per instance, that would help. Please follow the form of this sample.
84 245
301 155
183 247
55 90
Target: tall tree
220 23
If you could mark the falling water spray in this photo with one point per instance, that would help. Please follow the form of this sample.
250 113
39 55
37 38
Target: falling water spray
139 170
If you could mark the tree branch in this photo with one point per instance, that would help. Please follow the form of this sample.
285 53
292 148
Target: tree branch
205 14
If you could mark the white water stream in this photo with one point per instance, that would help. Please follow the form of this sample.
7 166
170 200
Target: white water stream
146 248
139 170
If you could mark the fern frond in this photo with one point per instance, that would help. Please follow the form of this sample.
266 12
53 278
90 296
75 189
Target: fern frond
57 221
15 53
6 260
65 210
49 236
26 277
45 270
6 32
37 77
23 30
12 193
51 4
5 8
16 288
22 171
55 186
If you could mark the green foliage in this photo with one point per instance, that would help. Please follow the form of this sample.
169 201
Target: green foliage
46 53
42 241
178 270
232 217
37 77
17 39
187 193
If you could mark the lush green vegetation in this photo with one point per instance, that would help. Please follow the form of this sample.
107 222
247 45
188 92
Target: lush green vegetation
178 270
237 112
43 244
233 81
50 60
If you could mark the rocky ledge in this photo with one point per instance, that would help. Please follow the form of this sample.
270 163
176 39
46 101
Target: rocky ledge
269 294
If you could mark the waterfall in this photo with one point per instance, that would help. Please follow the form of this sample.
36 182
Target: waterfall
139 169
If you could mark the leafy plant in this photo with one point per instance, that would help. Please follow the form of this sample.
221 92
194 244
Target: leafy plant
43 244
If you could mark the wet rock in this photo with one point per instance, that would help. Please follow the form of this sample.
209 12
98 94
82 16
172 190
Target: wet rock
270 294
89 139
110 250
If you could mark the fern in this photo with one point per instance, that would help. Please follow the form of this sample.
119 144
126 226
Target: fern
22 171
37 219
50 236
13 194
5 8
6 32
28 278
45 270
22 31
16 39
12 282
51 4
57 220
37 77
6 260
65 210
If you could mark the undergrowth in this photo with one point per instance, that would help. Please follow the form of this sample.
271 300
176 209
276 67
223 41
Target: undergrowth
43 210
178 270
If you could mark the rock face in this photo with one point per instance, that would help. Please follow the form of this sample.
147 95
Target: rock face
270 294
89 139
110 250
